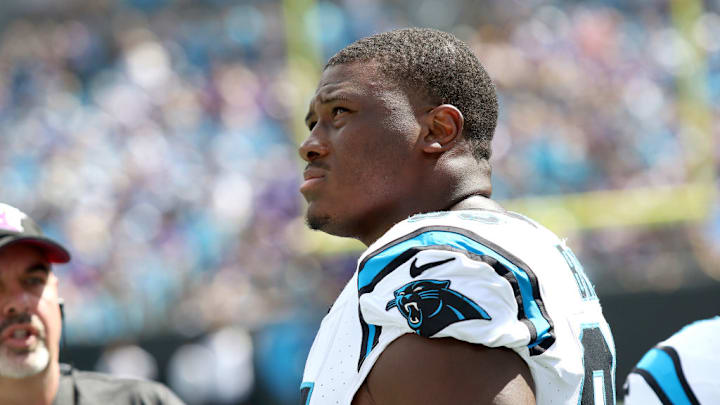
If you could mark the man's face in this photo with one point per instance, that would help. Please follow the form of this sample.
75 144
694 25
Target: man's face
30 319
362 151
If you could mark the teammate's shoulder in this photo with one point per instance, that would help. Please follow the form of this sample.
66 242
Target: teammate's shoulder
679 369
702 326
696 335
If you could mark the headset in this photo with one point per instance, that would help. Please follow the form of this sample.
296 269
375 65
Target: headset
63 354
63 338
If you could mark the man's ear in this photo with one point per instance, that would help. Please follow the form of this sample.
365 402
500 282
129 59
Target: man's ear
445 124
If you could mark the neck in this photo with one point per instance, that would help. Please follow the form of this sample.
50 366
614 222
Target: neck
39 389
474 202
460 183
467 202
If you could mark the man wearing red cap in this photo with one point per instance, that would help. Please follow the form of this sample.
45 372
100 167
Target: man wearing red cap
30 325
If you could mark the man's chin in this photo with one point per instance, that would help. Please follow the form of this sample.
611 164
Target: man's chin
23 364
317 222
329 225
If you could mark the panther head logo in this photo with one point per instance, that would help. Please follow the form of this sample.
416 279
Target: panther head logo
429 306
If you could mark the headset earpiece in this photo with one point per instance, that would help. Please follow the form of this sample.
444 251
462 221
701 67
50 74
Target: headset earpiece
61 304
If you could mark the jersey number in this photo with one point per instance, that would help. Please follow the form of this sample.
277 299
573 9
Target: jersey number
598 386
587 292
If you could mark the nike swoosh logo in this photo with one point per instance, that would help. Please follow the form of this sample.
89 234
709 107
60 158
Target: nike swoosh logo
416 271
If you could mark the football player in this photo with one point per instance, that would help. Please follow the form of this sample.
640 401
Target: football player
456 300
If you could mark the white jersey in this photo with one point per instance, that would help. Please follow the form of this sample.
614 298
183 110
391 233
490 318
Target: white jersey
679 370
481 276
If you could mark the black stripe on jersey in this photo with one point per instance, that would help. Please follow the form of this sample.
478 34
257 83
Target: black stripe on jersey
543 345
305 395
681 375
505 273
365 341
650 380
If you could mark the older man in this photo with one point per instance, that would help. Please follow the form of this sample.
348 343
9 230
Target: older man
30 325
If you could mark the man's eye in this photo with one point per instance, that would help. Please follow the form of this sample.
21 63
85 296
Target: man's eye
339 110
34 281
311 125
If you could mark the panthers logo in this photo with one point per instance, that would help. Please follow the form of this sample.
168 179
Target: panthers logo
429 306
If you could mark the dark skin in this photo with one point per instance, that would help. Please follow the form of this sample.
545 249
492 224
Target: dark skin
376 155
448 372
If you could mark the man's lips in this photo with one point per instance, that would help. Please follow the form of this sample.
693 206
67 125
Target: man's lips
19 336
313 173
312 176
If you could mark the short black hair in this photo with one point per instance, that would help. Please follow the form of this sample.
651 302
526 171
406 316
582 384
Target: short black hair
441 65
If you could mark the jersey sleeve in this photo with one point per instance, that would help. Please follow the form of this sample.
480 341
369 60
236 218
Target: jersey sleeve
659 377
449 282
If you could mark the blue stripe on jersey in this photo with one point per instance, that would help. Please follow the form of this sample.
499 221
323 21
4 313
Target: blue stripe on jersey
373 267
662 368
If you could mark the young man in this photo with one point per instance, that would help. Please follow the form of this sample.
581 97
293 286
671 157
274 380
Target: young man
455 301
30 324
680 369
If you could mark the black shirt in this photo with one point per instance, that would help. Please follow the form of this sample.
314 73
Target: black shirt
90 388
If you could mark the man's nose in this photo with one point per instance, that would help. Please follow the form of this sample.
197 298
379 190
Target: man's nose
314 146
16 303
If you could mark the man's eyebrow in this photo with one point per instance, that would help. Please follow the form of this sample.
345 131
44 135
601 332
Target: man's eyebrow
41 267
324 98
335 96
309 115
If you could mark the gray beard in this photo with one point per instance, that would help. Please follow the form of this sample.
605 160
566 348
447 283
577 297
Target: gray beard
22 365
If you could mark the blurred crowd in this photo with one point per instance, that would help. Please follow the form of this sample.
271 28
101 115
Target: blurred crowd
157 140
